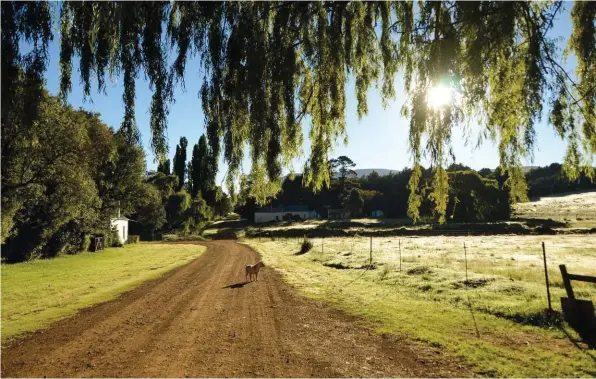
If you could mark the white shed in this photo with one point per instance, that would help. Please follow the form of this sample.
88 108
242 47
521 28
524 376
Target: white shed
121 224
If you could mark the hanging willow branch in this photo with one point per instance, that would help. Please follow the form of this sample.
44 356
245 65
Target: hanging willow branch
270 66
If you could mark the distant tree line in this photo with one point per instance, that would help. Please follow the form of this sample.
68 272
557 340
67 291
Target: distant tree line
550 180
473 195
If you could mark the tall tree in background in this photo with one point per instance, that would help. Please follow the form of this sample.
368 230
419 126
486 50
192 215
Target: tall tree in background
271 65
165 184
354 202
180 162
164 167
343 167
189 180
203 176
150 212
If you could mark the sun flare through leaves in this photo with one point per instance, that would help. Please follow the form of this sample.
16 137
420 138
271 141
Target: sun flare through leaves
439 96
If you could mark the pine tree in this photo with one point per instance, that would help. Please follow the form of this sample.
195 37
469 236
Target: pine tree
202 170
180 162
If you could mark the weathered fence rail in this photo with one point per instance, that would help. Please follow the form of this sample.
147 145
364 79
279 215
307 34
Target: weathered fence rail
578 313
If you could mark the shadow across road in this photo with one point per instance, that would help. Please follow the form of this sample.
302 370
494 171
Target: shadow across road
236 285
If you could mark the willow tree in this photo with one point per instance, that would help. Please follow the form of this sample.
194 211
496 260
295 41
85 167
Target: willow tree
268 67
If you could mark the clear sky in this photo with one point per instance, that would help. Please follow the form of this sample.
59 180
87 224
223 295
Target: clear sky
379 140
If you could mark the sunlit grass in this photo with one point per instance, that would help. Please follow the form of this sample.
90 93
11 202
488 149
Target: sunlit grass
36 293
578 210
429 300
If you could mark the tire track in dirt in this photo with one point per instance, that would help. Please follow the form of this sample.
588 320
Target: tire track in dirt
201 320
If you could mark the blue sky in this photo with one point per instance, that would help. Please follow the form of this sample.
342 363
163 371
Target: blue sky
379 140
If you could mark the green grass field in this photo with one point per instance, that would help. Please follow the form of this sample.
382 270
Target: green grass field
495 321
36 293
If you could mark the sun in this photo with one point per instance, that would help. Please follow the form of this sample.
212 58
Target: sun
439 96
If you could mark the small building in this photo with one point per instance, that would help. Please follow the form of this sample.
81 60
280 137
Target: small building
338 214
121 224
377 214
284 212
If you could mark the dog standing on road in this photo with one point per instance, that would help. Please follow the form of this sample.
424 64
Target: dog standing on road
253 270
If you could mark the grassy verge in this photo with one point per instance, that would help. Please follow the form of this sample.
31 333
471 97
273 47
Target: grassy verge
34 294
427 300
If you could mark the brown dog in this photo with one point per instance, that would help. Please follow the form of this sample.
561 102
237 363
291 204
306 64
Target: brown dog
253 270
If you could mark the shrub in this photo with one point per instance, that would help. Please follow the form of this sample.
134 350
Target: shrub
185 227
385 272
70 238
85 242
306 246
133 238
420 270
176 208
114 240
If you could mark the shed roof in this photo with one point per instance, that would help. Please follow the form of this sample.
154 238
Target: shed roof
119 218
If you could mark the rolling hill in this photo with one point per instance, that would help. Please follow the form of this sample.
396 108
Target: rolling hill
381 171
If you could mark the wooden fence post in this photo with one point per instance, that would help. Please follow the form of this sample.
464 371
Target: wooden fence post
466 260
399 255
567 282
370 264
550 308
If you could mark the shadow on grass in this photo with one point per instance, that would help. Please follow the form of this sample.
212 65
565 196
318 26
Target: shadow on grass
226 234
543 318
587 339
473 316
227 229
541 222
337 266
236 285
344 228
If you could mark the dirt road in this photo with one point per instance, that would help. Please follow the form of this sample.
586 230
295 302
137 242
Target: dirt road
202 320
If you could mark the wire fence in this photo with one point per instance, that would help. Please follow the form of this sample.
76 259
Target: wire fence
490 268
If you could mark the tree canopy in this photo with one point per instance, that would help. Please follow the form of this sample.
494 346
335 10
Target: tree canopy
343 167
270 66
164 167
67 174
354 202
63 177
